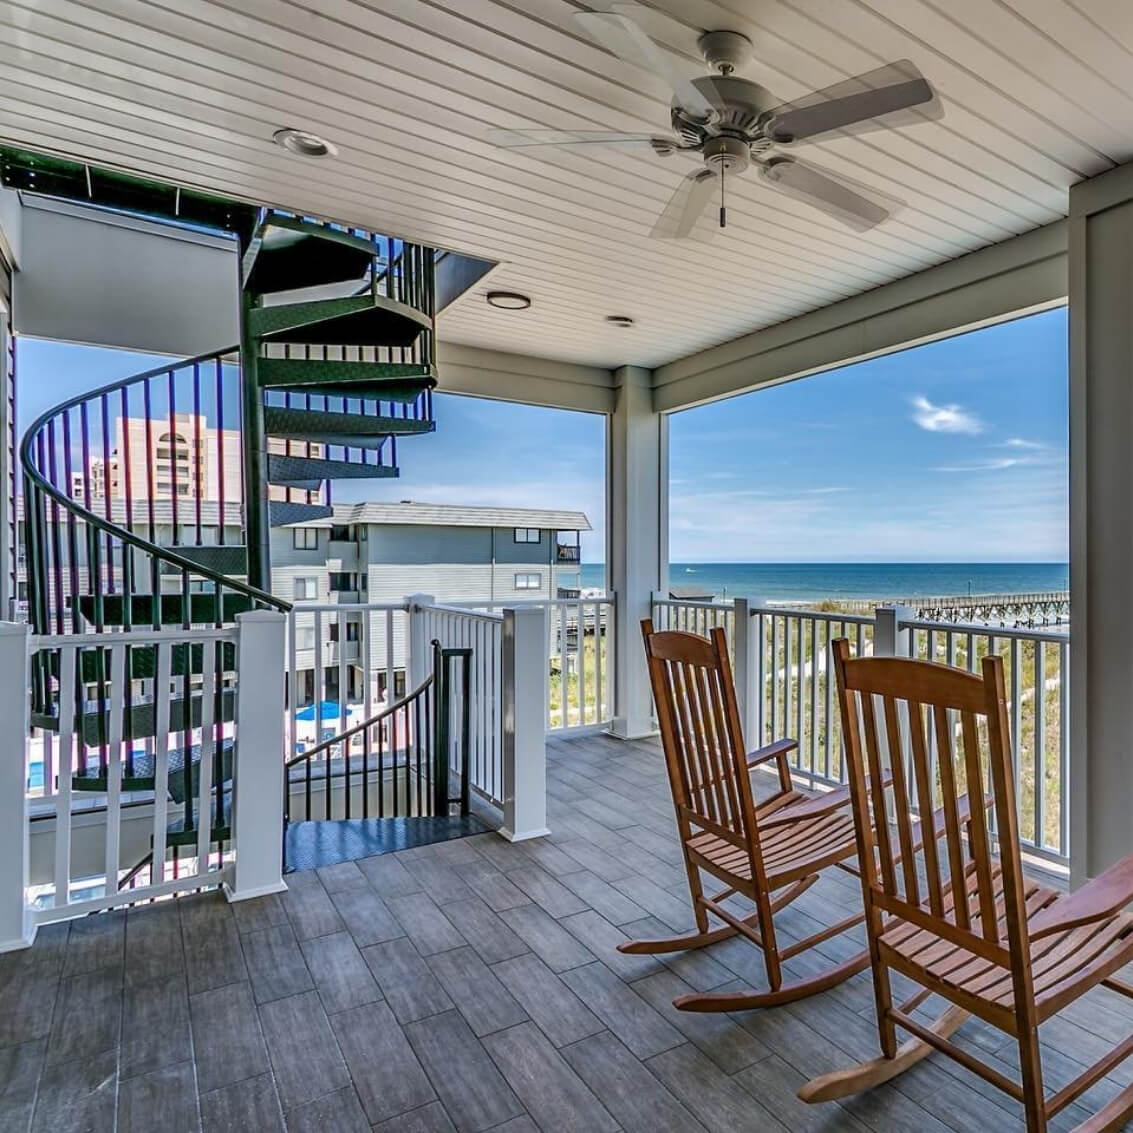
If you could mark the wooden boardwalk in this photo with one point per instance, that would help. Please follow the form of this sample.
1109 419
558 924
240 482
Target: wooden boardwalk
472 985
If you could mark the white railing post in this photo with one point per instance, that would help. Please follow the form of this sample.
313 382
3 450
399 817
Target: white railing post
257 789
420 661
17 927
889 639
524 711
747 646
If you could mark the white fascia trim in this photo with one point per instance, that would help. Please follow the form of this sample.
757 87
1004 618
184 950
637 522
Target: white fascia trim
1019 276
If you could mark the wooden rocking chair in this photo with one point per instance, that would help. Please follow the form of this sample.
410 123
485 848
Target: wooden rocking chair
969 927
770 853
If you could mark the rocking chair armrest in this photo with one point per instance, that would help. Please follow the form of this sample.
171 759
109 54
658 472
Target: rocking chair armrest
1106 894
812 808
771 751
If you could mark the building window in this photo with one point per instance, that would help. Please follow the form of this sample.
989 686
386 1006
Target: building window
529 580
341 580
306 588
305 538
305 637
352 631
527 534
340 534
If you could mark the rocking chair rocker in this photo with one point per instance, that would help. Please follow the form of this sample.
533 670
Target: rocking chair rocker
769 853
969 928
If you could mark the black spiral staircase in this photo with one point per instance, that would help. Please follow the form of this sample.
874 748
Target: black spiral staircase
149 502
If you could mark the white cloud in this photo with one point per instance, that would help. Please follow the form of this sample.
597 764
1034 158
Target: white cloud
944 418
1019 442
984 465
824 491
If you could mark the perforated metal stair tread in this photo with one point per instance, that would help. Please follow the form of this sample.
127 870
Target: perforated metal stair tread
202 609
380 381
287 258
139 773
139 720
361 320
335 428
284 512
228 559
301 471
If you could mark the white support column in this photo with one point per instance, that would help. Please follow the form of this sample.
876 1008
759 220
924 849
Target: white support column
257 789
748 645
17 928
889 640
1101 521
524 695
420 656
637 539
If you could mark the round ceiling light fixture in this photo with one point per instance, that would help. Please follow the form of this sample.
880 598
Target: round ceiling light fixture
302 143
508 300
619 320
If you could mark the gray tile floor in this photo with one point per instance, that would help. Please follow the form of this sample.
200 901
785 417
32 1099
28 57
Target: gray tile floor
470 985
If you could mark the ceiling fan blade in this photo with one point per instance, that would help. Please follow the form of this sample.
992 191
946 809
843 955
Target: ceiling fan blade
622 36
685 206
515 139
837 197
867 101
660 26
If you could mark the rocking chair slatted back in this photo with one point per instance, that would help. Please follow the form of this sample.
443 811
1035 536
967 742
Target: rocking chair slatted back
940 736
709 768
701 733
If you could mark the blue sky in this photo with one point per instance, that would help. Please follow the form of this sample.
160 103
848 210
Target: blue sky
954 451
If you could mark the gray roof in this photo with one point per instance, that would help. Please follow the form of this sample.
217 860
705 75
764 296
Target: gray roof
455 515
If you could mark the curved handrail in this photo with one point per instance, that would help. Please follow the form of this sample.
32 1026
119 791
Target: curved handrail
351 732
93 519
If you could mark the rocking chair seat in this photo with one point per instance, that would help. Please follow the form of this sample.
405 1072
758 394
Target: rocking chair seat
1064 964
790 852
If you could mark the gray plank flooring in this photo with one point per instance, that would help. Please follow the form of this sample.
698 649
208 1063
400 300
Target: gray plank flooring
475 986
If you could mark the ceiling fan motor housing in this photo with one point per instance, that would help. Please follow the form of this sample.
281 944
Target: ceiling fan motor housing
726 154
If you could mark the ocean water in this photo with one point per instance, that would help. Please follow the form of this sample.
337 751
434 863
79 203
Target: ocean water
810 582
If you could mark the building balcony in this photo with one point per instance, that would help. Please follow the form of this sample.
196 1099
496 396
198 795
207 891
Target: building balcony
567 553
342 555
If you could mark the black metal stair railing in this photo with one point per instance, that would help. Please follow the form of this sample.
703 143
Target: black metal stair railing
123 485
132 503
409 760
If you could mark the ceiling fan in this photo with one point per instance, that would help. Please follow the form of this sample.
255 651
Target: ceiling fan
732 123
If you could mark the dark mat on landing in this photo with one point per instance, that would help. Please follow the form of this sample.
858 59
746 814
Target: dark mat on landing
308 845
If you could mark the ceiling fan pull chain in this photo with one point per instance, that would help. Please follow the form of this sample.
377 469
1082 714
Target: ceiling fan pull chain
723 210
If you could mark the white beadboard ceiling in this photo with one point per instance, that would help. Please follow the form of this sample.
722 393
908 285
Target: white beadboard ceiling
1036 97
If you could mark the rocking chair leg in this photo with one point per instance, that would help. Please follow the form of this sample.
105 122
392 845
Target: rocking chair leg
866 1075
1031 1065
779 994
690 940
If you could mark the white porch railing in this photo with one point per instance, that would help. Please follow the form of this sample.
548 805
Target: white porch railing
366 646
580 660
1036 667
782 668
129 785
457 628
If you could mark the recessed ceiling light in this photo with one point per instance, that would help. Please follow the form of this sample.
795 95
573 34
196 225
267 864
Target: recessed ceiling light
508 300
619 320
303 143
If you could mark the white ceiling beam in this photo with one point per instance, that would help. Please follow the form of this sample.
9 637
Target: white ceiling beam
1017 276
504 376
